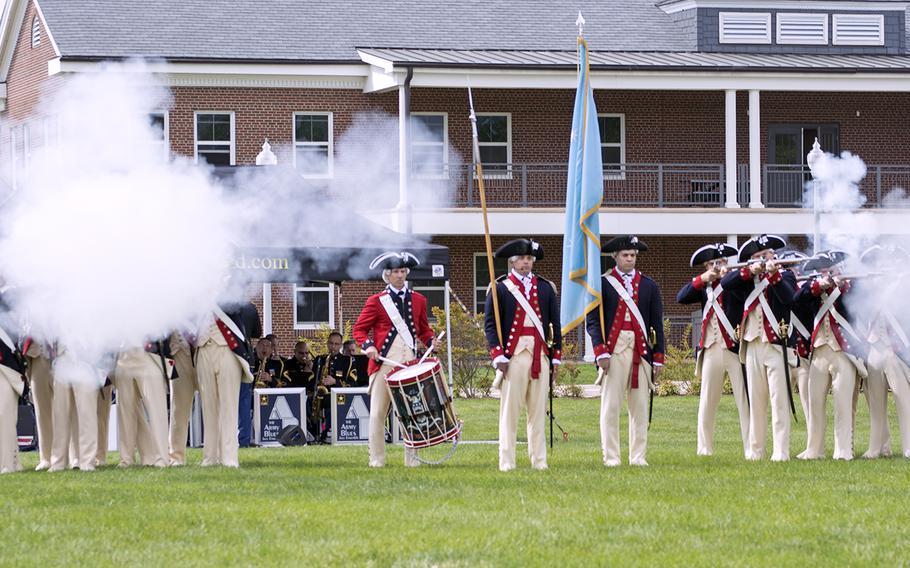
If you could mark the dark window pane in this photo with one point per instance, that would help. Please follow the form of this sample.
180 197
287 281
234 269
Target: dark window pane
610 155
610 129
428 128
313 159
786 149
311 128
213 127
427 160
494 155
156 121
493 128
500 265
205 131
215 155
312 306
222 132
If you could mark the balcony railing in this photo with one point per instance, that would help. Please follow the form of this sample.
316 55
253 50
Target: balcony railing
641 185
785 185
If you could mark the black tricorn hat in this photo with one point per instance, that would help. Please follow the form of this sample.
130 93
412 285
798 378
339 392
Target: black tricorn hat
712 252
758 244
624 242
520 247
879 254
824 260
392 260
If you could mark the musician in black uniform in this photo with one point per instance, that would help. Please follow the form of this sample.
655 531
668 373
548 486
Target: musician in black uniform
766 291
298 370
268 372
329 371
718 350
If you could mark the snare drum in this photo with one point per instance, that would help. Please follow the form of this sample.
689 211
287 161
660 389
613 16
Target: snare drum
423 404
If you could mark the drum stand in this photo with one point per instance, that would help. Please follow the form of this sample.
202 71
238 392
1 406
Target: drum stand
449 454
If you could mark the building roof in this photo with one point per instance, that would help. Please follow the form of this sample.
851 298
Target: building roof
654 60
330 31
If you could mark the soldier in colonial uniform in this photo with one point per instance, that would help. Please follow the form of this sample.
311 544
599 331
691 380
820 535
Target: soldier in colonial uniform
41 387
141 376
628 338
766 292
77 386
183 390
397 319
223 357
833 363
717 347
529 316
889 350
12 384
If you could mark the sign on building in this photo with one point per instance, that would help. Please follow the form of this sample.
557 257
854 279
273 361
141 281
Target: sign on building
276 409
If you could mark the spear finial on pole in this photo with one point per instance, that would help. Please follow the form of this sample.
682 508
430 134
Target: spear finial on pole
580 22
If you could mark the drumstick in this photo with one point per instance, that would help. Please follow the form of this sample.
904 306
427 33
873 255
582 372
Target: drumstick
390 361
430 349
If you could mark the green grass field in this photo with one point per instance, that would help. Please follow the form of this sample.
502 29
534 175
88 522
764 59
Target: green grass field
321 506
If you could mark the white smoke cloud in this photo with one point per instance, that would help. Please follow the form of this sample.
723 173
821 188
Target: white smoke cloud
107 245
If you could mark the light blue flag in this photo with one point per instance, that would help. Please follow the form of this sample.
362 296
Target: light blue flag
581 291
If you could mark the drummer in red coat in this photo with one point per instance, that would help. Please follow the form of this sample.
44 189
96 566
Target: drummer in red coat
397 320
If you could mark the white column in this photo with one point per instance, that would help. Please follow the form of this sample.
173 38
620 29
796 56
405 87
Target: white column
266 309
403 209
733 240
754 150
730 145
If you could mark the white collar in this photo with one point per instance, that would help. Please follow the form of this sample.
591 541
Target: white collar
396 291
624 274
522 278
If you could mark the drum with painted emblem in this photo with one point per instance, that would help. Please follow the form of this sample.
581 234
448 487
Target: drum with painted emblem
423 404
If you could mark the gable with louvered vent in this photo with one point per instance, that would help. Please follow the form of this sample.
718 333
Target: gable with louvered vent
745 27
802 29
859 29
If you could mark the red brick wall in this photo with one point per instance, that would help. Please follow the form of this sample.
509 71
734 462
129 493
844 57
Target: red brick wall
28 78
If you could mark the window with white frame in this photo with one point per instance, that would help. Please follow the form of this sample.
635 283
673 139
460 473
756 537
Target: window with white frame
158 123
612 129
314 305
214 137
494 138
313 152
429 144
434 290
482 277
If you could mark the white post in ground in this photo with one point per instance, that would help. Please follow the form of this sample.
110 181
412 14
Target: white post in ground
754 150
812 159
449 335
266 309
730 147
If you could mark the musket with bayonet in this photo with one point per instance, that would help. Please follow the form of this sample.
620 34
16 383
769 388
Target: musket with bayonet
551 344
764 261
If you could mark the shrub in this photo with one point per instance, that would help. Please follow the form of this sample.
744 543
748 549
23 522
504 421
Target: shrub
471 370
678 374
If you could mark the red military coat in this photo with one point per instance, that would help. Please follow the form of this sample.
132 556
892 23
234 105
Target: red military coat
374 319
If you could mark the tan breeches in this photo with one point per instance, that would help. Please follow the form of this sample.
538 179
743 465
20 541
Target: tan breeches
9 413
183 389
767 383
897 375
218 374
75 414
520 390
718 361
380 402
831 369
616 384
141 411
41 383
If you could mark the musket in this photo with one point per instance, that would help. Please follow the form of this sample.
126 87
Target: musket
550 345
762 262
838 276
486 222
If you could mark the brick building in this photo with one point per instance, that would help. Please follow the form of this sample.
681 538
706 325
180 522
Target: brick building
707 111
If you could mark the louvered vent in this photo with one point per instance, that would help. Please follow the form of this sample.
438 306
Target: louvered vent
805 29
745 27
859 29
36 32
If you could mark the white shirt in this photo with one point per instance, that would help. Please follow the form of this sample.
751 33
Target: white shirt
525 282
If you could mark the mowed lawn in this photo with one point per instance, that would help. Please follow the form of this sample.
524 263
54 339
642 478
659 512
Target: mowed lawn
321 506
